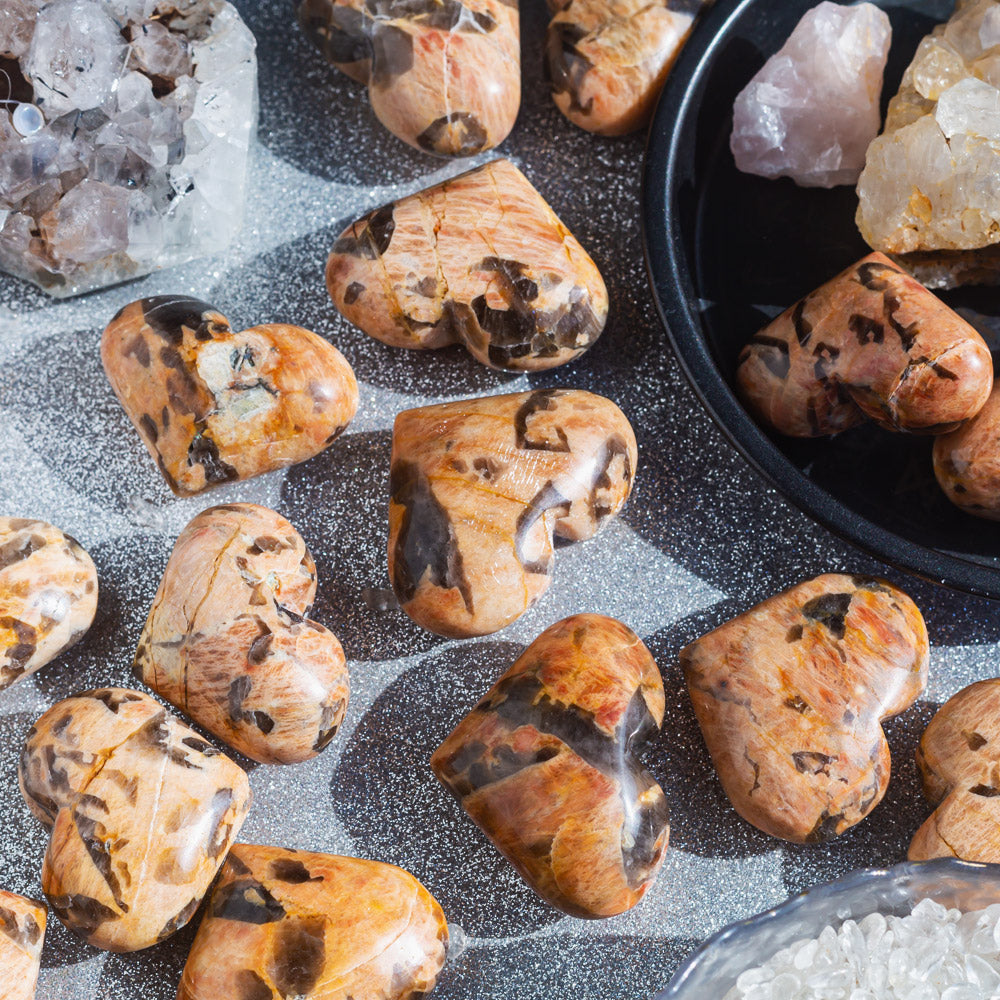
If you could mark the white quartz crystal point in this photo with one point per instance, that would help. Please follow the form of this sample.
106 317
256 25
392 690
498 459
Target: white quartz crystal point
813 108
932 179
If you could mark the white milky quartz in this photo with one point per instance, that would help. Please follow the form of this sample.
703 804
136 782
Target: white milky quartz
813 108
931 183
133 152
932 953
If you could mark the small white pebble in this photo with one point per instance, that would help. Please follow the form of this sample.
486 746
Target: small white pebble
932 953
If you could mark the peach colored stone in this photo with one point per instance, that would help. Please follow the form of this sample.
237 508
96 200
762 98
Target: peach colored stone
214 406
313 926
608 59
790 697
480 260
480 487
959 759
967 462
142 812
871 342
543 765
48 595
442 75
22 932
228 643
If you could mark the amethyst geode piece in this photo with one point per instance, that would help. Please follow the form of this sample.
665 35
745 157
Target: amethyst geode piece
124 137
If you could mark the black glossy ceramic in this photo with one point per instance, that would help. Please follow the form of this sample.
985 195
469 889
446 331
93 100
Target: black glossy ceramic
727 251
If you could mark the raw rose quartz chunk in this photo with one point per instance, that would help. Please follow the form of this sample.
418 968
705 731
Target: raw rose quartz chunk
812 110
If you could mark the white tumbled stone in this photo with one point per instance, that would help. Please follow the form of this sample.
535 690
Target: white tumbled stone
813 108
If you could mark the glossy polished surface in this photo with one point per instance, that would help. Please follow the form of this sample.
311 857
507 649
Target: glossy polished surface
214 406
314 927
701 539
228 643
791 695
141 813
543 765
481 261
480 488
22 934
444 77
48 595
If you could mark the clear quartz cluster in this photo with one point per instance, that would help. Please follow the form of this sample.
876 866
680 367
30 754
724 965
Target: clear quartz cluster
813 108
931 184
125 128
931 954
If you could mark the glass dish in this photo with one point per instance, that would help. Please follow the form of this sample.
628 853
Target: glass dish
714 967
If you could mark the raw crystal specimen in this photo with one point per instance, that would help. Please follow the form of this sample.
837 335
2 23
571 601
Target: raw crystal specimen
309 926
141 812
959 758
790 697
607 60
813 108
213 405
442 75
22 932
544 766
931 185
227 640
872 342
125 139
479 487
48 595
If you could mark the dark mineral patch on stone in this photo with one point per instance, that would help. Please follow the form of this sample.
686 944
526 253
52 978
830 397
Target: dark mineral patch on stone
538 401
292 870
460 133
426 540
248 902
829 610
565 66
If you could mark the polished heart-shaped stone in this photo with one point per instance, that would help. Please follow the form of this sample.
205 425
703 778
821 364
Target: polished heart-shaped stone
544 766
228 643
791 695
141 813
284 924
48 595
959 759
480 260
479 487
22 932
214 406
442 75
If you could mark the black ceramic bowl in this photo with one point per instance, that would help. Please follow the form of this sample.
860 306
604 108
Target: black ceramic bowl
726 251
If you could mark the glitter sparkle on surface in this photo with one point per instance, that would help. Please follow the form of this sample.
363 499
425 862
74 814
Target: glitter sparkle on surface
701 539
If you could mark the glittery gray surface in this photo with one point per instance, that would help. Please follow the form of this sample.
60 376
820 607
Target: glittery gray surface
701 538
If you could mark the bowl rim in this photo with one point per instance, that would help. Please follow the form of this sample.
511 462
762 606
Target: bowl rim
855 879
672 284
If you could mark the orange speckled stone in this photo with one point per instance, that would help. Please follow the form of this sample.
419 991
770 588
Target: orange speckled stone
608 59
543 766
959 758
967 462
228 643
480 487
442 75
48 595
22 932
791 695
142 812
480 260
214 406
284 924
872 342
